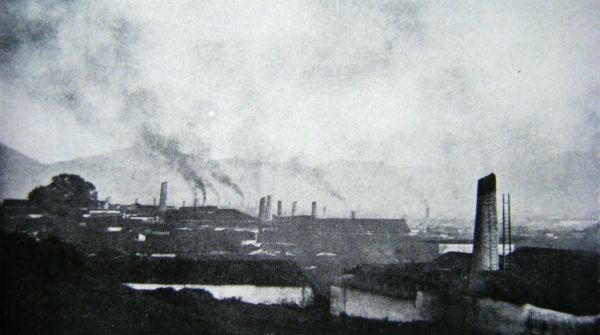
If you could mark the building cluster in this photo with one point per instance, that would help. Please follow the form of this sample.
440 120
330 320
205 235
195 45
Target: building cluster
458 281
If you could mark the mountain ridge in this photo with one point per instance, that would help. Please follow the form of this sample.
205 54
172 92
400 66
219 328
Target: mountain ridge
562 185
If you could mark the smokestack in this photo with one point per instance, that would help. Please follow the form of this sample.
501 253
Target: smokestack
294 207
154 202
195 202
268 210
162 205
136 201
261 209
485 244
95 198
183 203
324 211
353 215
314 210
279 209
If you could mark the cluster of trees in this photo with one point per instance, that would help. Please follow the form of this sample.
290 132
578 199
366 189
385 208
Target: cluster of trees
64 195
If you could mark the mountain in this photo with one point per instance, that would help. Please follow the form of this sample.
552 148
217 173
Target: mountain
563 185
18 173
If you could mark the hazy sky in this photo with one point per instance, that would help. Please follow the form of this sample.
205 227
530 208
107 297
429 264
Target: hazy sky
402 82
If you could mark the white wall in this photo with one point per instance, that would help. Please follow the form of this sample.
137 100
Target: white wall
372 306
484 315
501 317
301 295
467 248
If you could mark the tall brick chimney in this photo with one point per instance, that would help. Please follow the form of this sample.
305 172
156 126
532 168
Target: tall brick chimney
279 208
485 240
261 209
162 205
314 210
268 210
294 208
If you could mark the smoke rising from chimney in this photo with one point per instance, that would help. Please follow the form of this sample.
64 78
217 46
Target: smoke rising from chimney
315 177
169 149
224 179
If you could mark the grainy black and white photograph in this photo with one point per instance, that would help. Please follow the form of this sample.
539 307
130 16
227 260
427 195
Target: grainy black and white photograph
300 167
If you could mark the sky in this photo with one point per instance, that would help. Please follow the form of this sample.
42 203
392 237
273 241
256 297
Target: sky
401 82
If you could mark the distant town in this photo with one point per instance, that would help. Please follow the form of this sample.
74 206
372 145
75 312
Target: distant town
381 269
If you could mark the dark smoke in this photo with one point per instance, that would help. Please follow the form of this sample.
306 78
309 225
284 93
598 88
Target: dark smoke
315 177
214 190
169 149
224 179
18 30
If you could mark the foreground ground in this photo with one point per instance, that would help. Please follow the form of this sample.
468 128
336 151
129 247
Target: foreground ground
49 287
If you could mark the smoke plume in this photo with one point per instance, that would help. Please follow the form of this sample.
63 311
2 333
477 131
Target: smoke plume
217 173
169 149
315 177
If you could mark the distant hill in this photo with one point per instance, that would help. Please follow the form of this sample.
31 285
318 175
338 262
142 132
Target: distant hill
18 173
563 185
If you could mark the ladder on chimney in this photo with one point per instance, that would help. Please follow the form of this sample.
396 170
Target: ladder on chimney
506 232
